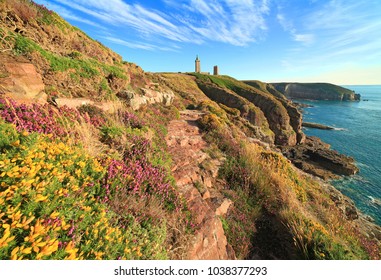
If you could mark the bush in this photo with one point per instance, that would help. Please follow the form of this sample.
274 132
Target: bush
44 119
210 122
50 206
111 134
93 115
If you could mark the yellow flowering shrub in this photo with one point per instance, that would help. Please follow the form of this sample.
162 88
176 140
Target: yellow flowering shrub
288 176
50 209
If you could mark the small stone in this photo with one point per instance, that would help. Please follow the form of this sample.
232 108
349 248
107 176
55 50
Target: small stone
206 195
205 243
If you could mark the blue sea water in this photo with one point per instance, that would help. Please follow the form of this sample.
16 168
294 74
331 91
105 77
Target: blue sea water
358 135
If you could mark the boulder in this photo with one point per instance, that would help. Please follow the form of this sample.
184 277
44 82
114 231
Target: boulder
21 81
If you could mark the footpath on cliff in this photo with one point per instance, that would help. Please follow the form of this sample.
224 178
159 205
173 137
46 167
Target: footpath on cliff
196 173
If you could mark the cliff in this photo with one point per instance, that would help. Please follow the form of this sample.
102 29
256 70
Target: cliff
316 91
100 160
275 111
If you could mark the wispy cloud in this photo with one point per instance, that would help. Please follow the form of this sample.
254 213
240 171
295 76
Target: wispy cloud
139 45
333 31
288 26
233 22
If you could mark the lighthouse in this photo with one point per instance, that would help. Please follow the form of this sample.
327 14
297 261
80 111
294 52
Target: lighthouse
197 67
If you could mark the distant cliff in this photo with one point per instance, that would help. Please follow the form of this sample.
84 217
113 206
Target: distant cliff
316 91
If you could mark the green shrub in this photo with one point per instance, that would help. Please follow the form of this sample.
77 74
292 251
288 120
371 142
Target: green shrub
110 133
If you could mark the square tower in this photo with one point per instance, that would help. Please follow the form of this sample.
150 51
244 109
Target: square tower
215 70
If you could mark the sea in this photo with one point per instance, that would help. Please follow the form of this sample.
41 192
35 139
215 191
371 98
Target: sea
357 134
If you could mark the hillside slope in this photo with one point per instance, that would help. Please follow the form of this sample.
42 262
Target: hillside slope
186 167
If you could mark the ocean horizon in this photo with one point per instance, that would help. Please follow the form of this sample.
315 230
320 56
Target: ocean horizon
358 135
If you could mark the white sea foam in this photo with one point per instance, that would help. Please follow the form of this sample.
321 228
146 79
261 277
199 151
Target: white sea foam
340 129
375 201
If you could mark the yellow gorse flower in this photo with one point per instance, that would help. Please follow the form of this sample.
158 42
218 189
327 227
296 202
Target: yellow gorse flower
71 250
40 198
6 236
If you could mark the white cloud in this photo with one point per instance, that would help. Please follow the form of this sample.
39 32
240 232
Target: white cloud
67 14
139 45
230 21
236 22
285 23
305 39
332 31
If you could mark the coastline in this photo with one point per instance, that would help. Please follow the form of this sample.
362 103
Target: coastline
356 139
364 223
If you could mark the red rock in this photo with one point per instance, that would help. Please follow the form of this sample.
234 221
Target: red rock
21 81
223 209
206 195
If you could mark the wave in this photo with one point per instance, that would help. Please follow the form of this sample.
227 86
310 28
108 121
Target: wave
374 201
340 129
361 165
357 178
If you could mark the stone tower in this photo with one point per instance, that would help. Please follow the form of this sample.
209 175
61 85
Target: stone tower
215 70
197 65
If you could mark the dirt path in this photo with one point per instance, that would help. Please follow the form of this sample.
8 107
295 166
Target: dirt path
195 173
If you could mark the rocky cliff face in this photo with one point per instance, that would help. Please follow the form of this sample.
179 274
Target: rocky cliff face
230 99
316 91
259 107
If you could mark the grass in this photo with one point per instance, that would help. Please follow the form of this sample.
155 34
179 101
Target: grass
84 68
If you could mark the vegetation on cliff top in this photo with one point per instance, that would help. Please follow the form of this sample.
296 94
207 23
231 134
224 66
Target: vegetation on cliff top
316 91
260 107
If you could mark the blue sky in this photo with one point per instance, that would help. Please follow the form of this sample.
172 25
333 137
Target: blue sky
336 41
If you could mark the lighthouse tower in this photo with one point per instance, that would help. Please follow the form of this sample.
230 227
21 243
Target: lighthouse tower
197 65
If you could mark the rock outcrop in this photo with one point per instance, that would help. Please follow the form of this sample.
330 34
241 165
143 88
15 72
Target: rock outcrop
147 96
316 91
364 223
317 126
19 79
276 114
199 187
316 158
